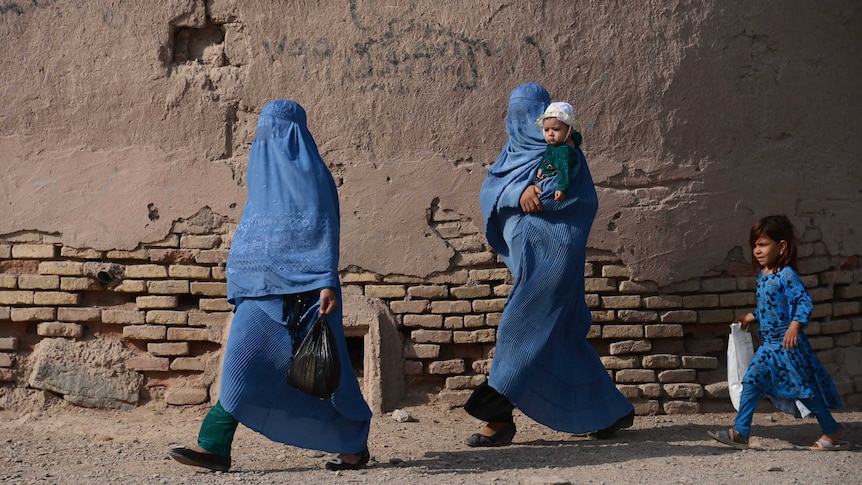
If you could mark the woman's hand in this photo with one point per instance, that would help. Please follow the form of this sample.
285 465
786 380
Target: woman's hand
791 336
745 320
328 301
530 199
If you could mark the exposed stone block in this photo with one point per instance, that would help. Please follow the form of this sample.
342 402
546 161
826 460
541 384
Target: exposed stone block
186 396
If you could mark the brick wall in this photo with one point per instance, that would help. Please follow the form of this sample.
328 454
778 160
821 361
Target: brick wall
664 346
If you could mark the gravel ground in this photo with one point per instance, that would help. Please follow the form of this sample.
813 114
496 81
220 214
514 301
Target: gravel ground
63 444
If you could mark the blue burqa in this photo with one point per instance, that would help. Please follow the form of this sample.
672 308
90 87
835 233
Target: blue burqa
286 243
543 362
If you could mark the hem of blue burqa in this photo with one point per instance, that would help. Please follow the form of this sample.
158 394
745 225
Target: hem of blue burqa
254 388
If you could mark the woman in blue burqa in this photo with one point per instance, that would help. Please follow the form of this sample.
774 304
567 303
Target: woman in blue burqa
282 272
543 363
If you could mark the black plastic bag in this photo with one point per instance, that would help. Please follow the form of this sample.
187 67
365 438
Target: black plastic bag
316 367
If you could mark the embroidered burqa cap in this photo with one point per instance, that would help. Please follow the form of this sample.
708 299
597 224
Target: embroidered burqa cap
562 111
287 238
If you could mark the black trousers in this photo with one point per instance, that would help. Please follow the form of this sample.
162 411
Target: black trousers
489 405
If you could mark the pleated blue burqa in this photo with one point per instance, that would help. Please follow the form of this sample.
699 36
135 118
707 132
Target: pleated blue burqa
287 242
543 362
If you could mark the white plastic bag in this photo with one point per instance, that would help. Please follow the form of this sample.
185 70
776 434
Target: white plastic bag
740 351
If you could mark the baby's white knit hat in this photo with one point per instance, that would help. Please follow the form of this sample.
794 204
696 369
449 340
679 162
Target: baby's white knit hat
562 111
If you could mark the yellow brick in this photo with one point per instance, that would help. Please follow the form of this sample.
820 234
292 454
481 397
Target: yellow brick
190 334
144 332
208 288
33 251
61 268
9 281
168 349
79 284
218 273
131 286
140 254
146 271
60 329
188 271
32 314
166 317
55 298
16 297
156 302
67 252
168 287
38 282
385 291
5 251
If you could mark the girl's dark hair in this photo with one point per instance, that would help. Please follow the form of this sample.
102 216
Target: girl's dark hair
778 228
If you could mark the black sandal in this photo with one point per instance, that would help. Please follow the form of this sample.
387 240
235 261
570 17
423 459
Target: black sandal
626 421
211 461
500 438
337 464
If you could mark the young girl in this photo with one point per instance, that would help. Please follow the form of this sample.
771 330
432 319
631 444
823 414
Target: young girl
784 365
558 126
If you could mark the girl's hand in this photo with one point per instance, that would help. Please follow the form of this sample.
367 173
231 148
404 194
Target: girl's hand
530 199
745 320
328 301
791 336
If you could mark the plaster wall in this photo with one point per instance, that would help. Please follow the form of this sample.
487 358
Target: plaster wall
122 117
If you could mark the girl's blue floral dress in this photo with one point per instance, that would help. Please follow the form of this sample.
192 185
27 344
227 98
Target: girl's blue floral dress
779 372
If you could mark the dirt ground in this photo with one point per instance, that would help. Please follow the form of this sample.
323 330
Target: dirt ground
58 443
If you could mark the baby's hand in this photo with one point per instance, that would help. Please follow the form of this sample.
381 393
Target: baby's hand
558 196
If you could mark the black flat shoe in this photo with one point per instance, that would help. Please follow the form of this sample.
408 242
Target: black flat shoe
500 438
204 460
336 464
626 421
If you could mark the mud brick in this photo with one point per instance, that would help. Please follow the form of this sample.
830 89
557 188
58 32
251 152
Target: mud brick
16 297
212 256
81 253
162 302
699 362
218 273
190 334
146 271
413 368
474 259
715 316
431 336
188 364
470 292
850 292
6 375
33 314
661 361
650 390
212 319
452 366
402 279
630 347
838 309
637 316
629 391
168 349
848 339
622 331
465 382
421 351
60 329
423 321
485 335
55 298
679 316
171 241
8 343
131 286
8 281
188 272
72 314
616 363
68 283
5 251
635 376
718 285
33 251
663 331
451 307
594 332
214 305
61 268
502 290
430 292
168 287
38 282
6 360
622 302
458 277
485 306
615 271
453 322
137 254
683 390
677 375
385 291
821 294
474 321
207 288
705 345
493 319
171 256
603 316
362 277
185 396
835 327
717 390
5 313
701 301
166 317
639 287
144 332
207 241
662 302
599 285
123 317
681 407
410 306
498 274
148 363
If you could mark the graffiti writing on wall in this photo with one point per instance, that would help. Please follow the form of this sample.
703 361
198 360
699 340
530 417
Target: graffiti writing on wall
401 51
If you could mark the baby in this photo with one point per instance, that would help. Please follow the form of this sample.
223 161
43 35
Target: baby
558 122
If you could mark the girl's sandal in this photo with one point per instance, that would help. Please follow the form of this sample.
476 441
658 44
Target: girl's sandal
730 437
826 445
